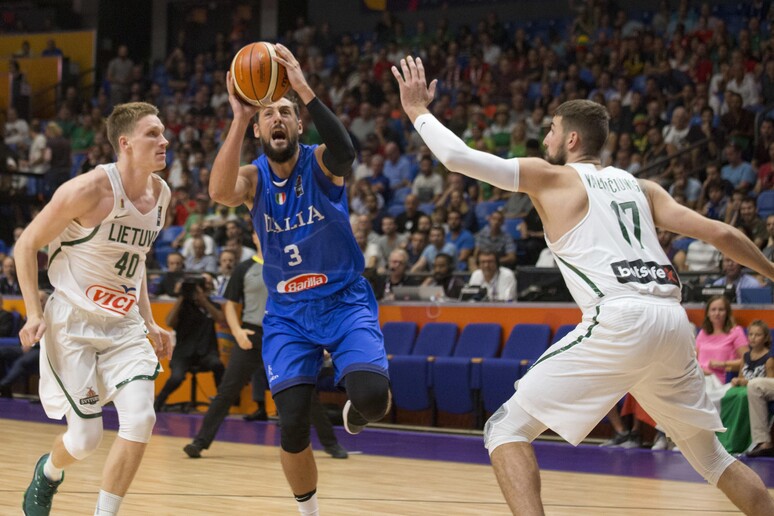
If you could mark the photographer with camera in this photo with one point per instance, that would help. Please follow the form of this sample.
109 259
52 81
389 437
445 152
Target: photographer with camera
193 317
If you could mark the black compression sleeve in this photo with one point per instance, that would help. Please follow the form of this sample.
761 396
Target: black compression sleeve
339 151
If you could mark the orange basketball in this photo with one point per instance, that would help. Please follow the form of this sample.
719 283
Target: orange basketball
258 80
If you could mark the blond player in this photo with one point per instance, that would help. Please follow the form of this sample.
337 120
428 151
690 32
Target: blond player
600 223
96 327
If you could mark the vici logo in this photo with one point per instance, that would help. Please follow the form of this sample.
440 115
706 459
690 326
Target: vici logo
301 282
111 299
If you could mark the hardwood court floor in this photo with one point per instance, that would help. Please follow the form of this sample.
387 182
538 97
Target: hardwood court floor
247 479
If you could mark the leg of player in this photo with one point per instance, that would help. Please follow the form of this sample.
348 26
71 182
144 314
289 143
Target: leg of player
369 399
134 404
296 456
518 475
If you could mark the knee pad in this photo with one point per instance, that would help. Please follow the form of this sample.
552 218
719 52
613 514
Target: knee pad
511 424
707 456
82 436
369 393
137 426
136 417
294 405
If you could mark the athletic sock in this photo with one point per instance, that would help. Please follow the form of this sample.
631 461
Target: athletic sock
107 504
307 503
52 473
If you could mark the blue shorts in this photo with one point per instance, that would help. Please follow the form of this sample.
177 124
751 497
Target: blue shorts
346 324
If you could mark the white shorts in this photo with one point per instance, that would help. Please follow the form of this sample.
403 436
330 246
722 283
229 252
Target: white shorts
637 345
86 357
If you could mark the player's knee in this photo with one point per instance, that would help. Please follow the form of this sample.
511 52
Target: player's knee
707 456
82 437
295 433
137 426
369 393
510 424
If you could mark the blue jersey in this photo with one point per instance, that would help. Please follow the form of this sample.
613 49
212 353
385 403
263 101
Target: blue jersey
306 237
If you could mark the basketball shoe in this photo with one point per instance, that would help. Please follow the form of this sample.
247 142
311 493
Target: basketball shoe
41 491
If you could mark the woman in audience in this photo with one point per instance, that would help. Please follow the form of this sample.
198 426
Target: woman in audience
734 410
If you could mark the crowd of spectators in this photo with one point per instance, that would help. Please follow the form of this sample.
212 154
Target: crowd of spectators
688 88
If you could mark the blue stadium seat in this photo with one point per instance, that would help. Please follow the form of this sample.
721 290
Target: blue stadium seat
511 227
561 331
410 374
484 209
395 209
527 342
457 379
766 203
427 208
17 322
755 296
399 337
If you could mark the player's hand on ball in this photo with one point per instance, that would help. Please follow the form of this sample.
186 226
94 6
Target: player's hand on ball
240 108
161 340
32 331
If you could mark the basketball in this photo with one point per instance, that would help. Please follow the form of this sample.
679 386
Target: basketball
258 80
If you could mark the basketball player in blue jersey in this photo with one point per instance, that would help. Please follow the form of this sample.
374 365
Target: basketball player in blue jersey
313 268
600 224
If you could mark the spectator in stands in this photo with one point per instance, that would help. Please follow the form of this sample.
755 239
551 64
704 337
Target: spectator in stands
518 206
21 91
57 156
437 245
17 130
738 171
199 260
380 184
370 250
443 276
461 238
734 278
172 276
734 408
415 246
738 123
717 201
408 220
16 363
9 283
500 282
492 238
702 257
226 264
428 185
766 172
186 246
397 267
193 317
533 239
721 343
760 391
51 49
119 73
680 133
390 239
750 223
364 123
744 84
683 183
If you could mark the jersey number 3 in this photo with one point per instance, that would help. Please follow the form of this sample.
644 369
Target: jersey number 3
295 256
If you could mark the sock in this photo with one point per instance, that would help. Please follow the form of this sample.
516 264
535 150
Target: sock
107 504
52 473
307 503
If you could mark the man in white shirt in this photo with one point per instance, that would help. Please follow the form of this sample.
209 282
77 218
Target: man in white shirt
500 282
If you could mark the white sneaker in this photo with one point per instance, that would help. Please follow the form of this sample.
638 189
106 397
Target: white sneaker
660 443
350 427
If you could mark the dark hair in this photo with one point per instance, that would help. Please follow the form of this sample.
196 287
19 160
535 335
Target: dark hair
589 119
766 331
729 322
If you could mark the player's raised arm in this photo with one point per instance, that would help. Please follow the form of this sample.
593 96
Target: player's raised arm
231 184
674 217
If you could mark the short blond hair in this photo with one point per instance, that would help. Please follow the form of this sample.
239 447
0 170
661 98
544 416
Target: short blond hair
123 119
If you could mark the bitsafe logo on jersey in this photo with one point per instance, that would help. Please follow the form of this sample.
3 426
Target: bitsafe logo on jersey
638 271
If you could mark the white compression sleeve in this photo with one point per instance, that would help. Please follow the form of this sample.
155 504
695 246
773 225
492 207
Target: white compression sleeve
458 157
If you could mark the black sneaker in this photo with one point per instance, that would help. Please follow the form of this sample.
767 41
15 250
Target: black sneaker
336 451
258 415
192 450
40 493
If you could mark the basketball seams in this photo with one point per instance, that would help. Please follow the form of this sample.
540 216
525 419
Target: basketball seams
250 65
267 98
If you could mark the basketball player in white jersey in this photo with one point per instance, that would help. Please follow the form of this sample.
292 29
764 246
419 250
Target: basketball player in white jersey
97 333
600 223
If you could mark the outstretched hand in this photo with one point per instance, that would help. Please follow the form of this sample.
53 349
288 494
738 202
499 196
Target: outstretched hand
415 94
293 69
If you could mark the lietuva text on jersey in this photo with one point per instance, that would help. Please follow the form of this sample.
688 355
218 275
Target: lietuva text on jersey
133 236
612 184
303 224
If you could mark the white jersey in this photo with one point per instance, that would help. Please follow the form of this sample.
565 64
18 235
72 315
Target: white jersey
101 269
614 250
